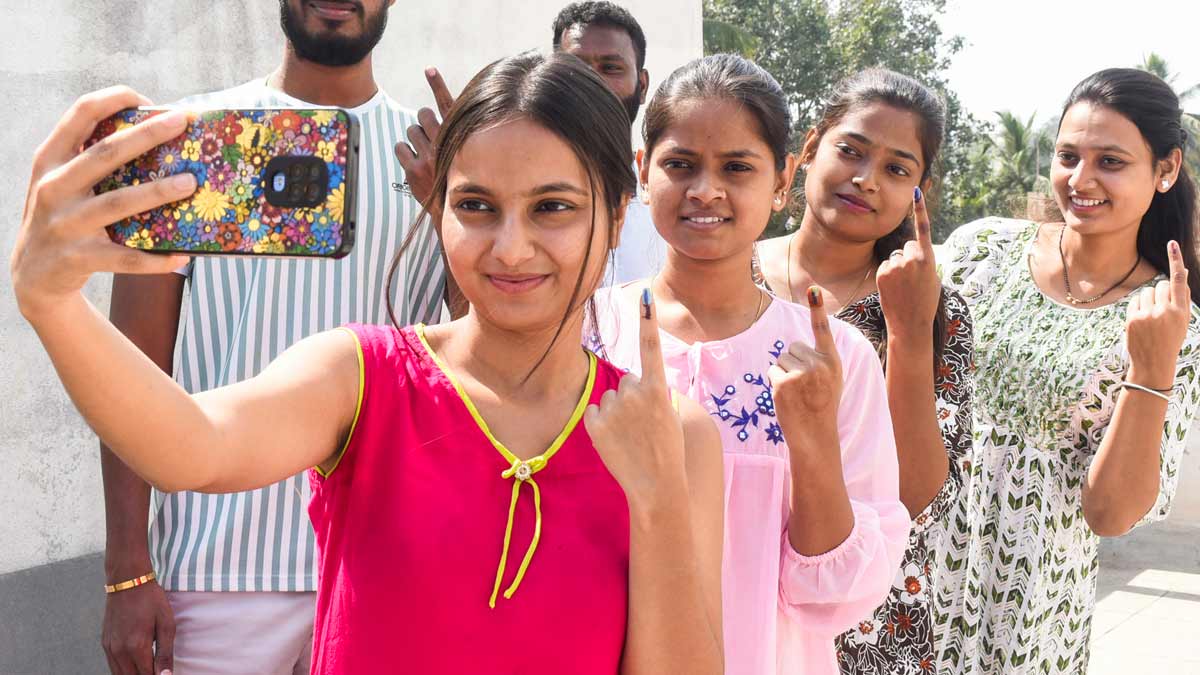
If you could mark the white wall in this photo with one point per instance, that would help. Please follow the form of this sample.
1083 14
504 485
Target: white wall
54 50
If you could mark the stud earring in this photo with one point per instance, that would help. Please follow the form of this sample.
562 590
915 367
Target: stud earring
778 199
1166 184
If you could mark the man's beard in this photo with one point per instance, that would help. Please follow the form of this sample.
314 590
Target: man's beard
330 49
634 102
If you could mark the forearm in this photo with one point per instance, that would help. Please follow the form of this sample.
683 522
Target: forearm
133 406
670 628
126 516
920 448
821 516
1122 482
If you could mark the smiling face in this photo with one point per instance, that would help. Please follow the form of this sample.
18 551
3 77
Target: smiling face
712 179
516 223
1104 173
862 171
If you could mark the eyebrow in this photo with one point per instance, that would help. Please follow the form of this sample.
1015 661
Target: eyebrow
1101 148
899 153
732 154
560 186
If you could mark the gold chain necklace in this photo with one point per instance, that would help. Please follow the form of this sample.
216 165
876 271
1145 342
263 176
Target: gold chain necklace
853 293
1067 280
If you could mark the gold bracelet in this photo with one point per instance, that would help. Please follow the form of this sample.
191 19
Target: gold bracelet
132 583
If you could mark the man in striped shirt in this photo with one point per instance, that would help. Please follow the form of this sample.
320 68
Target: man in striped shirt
237 572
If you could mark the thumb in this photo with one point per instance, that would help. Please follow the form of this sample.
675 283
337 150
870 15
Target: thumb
650 343
822 335
164 646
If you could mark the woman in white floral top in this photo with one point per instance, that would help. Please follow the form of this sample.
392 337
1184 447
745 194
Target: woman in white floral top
1087 339
875 144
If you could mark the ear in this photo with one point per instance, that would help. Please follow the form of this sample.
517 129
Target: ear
618 223
784 181
808 151
1168 170
643 165
644 82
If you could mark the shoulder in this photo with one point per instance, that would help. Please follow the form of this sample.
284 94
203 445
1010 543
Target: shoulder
248 94
990 233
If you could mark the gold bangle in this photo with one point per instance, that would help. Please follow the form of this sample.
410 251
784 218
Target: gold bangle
132 583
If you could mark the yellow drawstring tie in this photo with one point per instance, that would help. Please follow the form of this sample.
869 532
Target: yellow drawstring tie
523 472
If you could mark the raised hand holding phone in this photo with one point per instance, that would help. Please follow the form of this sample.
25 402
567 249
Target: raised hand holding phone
417 156
62 239
635 427
909 287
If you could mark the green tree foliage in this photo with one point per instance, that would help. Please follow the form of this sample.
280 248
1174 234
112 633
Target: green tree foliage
808 45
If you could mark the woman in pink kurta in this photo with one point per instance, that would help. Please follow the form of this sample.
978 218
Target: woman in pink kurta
716 162
783 610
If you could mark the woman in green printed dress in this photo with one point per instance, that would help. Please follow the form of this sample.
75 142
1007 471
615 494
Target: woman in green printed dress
1087 340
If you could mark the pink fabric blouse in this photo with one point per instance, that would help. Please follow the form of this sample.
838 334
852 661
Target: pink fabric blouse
411 524
782 610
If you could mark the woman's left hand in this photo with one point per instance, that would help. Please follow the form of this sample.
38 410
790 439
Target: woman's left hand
909 288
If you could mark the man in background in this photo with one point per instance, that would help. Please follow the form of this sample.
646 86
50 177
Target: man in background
236 573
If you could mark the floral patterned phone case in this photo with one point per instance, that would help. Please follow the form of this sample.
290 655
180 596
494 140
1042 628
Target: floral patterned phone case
276 182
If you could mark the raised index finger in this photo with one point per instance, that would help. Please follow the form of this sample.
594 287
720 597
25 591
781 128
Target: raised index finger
650 341
822 335
1180 293
921 221
441 93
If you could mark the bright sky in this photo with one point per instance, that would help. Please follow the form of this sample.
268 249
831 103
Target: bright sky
1026 55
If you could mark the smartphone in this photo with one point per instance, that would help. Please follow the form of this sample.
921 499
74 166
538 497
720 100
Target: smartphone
270 182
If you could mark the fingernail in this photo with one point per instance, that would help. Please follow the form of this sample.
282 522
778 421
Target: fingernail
814 296
175 118
917 193
183 181
1174 247
165 672
647 300
430 72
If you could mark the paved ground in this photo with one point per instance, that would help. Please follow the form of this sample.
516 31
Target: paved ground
1147 619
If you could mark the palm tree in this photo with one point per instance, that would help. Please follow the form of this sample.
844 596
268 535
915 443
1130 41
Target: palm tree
1020 150
1157 65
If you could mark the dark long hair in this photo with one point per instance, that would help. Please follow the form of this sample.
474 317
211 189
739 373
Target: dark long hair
729 77
1153 107
880 85
562 94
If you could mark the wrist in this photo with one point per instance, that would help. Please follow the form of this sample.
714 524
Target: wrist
1158 379
126 565
657 499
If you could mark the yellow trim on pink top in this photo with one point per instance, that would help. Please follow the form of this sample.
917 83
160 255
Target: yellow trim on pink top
362 381
522 470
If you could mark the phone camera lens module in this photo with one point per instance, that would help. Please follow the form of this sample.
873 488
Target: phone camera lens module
279 181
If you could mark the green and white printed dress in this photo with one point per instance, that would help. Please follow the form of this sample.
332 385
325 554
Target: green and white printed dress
1015 580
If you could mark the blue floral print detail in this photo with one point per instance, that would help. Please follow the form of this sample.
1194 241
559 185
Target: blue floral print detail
764 405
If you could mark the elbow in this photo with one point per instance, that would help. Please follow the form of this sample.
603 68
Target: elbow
1106 521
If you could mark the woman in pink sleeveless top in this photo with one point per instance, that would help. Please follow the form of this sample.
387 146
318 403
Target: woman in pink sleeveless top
488 497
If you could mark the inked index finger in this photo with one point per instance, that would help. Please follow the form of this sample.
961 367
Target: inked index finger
822 334
921 220
650 342
441 93
1180 293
